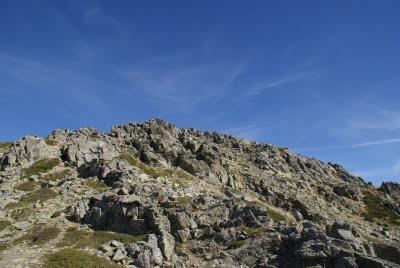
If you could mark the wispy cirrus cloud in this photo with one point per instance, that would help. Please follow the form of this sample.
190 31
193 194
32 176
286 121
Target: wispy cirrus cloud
181 84
373 143
262 86
351 146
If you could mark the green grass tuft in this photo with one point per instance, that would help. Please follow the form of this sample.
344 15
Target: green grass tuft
97 185
41 166
39 235
4 224
276 215
40 195
378 213
75 258
80 239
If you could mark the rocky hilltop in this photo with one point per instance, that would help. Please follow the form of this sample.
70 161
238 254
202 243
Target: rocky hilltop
153 195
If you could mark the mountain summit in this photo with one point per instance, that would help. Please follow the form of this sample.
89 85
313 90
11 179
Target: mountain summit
153 195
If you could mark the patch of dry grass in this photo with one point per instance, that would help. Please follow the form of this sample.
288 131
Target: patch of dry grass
97 185
40 195
80 239
58 175
39 235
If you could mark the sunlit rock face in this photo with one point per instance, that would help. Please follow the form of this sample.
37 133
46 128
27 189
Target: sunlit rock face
153 195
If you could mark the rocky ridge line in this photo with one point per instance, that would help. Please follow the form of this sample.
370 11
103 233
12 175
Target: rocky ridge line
195 199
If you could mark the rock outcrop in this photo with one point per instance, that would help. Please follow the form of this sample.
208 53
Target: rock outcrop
153 195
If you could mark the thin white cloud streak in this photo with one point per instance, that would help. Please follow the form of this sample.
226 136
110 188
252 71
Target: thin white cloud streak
187 86
353 146
262 86
372 143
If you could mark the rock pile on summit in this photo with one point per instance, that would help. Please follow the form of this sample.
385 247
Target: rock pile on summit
153 195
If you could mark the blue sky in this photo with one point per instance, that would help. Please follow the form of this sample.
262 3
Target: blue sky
319 77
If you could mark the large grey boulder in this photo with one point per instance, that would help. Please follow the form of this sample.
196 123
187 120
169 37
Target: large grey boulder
27 151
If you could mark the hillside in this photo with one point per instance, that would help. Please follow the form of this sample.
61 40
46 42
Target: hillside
153 195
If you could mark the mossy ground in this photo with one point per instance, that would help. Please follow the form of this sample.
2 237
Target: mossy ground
80 239
41 166
75 258
40 195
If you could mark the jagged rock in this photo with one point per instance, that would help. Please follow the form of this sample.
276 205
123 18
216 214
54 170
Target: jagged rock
244 204
343 231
